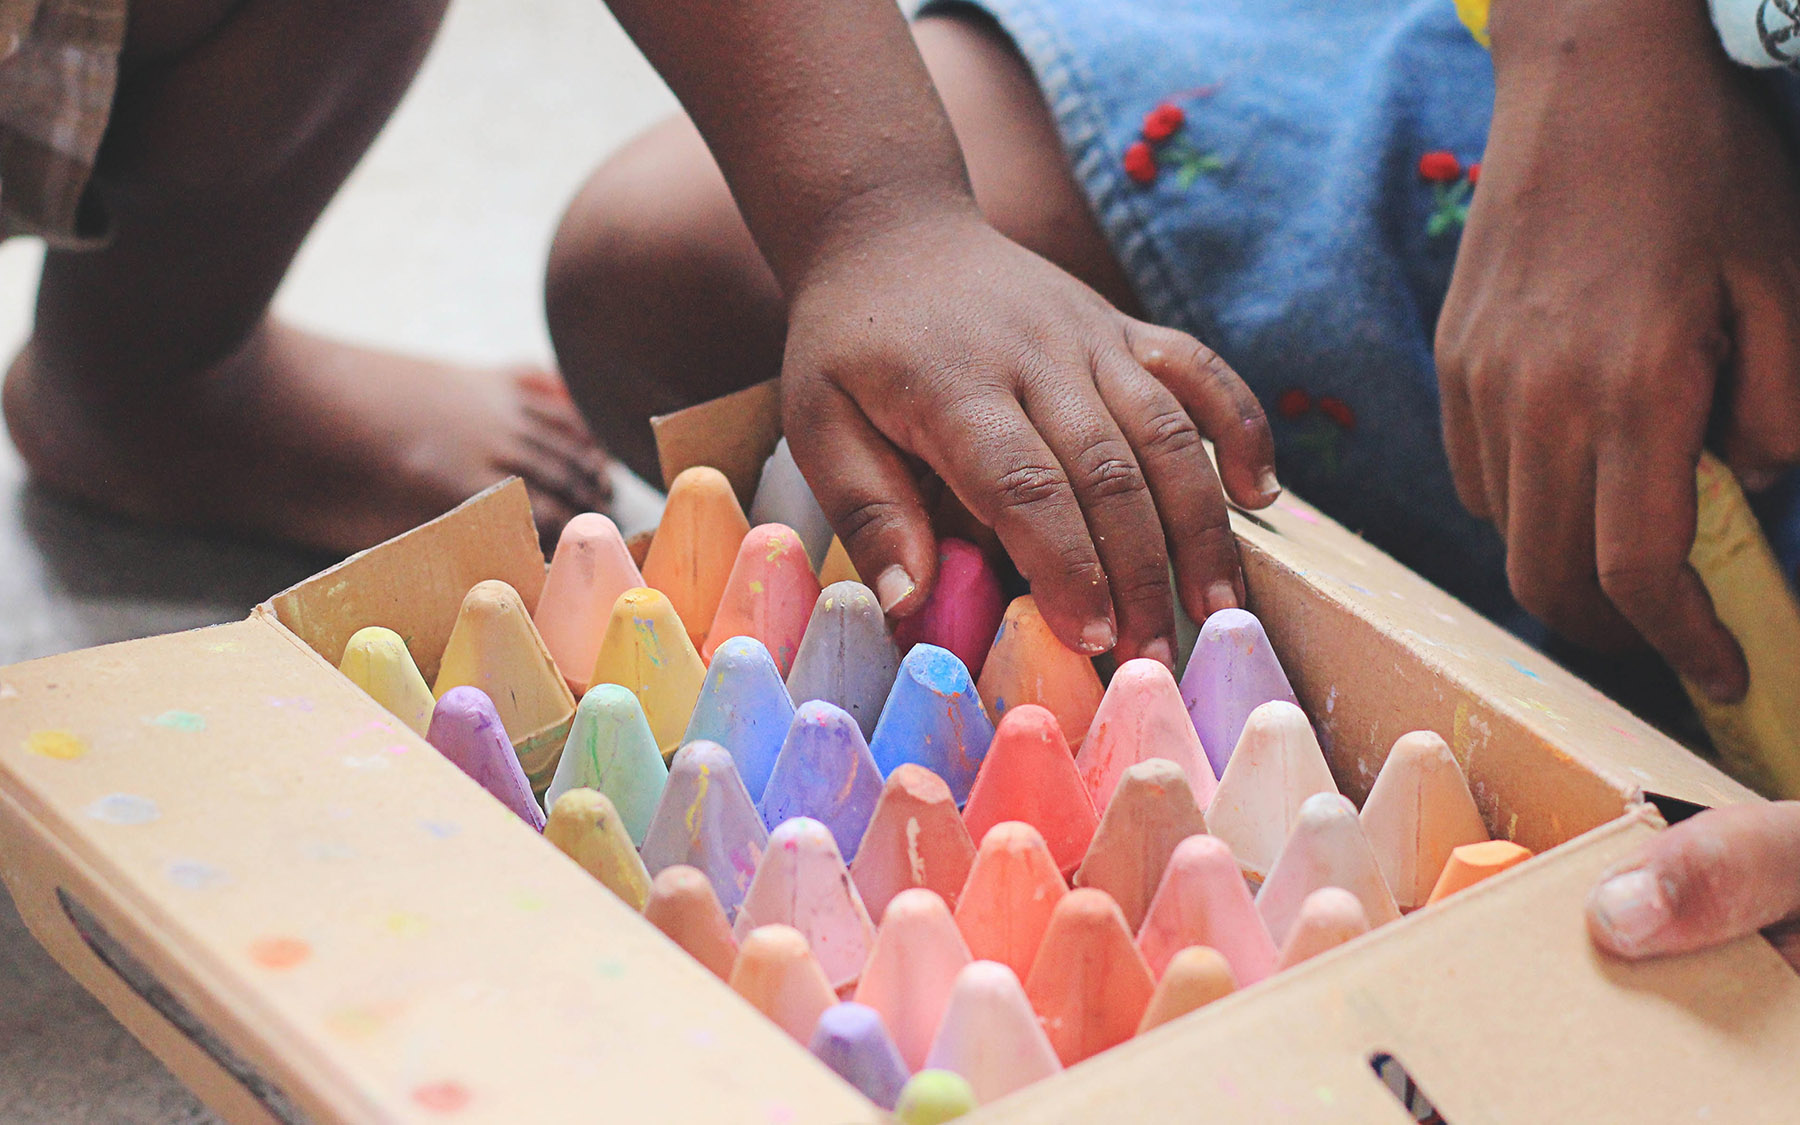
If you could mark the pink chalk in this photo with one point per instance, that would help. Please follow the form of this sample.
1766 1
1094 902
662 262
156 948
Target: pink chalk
1203 901
1142 717
964 610
918 952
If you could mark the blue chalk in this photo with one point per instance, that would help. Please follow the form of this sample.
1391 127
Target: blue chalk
824 771
744 707
934 718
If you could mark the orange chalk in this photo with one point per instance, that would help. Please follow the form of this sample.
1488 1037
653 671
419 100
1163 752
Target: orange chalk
1151 813
1328 918
1029 775
591 568
1142 717
695 546
915 839
1195 978
1089 985
1472 863
683 906
1418 812
918 952
1006 904
1029 665
837 566
778 974
769 595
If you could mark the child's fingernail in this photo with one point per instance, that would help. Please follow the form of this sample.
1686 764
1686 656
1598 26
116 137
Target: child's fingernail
1271 488
1758 480
1632 909
1720 687
1098 637
1220 595
1160 651
893 586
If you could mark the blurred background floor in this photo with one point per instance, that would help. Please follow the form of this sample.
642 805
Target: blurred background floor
436 246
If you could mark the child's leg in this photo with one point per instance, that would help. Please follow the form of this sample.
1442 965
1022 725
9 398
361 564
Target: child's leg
155 383
658 299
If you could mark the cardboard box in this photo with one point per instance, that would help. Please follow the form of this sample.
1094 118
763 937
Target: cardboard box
310 916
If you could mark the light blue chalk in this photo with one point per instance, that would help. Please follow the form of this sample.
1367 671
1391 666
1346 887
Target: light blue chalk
707 820
825 771
744 707
852 1040
934 718
612 749
846 657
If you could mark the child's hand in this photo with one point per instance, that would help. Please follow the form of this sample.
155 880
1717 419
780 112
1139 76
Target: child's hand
1069 428
1636 234
1723 874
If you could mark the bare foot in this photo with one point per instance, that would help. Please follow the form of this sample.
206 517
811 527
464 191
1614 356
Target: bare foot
304 440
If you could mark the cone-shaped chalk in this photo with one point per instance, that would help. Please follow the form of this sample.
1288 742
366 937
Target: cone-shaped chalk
990 1035
695 545
846 657
963 612
683 906
1089 984
1152 812
1418 812
585 827
851 1040
1195 978
933 718
1276 767
1006 904
376 660
591 568
802 882
1471 863
783 496
1328 918
915 839
770 595
1232 672
706 820
611 749
1029 775
1327 848
918 952
932 1097
824 771
466 729
837 566
745 708
1027 664
1203 901
1142 717
495 647
647 650
781 978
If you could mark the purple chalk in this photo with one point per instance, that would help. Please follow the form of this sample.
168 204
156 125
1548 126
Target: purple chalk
851 1040
1232 672
824 771
466 729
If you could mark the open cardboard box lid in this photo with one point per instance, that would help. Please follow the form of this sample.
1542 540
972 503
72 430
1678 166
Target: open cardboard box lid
309 915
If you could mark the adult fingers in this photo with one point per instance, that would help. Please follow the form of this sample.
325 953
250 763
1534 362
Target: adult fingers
866 489
1718 876
1195 522
1644 529
1219 402
1462 443
1110 485
1762 416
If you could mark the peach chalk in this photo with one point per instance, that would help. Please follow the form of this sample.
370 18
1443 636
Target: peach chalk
1327 848
918 952
683 906
1418 812
1006 904
837 566
695 546
1089 985
1142 717
1029 775
647 651
781 978
1203 901
1195 978
585 827
589 571
963 611
990 1035
1277 765
1328 918
376 660
1471 863
802 882
1027 664
1152 812
915 839
770 595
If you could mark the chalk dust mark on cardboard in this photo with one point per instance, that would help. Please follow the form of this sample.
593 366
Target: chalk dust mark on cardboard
124 808
60 745
195 874
279 953
7 691
440 829
186 722
442 1097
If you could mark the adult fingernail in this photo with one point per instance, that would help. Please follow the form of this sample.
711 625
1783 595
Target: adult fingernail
893 586
1271 488
1220 595
1632 909
1160 651
1098 637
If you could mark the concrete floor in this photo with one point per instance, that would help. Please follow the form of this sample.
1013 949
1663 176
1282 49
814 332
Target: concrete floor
436 246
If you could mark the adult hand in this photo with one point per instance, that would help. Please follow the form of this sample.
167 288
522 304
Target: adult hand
1636 234
1720 875
1068 427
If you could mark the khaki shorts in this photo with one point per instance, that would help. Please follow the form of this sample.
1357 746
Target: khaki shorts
59 67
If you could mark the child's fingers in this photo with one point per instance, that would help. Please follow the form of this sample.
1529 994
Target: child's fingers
1718 876
866 490
1762 419
1115 498
1224 408
1195 521
1462 439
